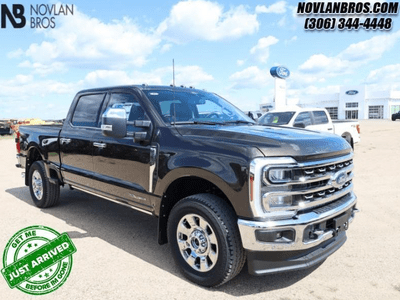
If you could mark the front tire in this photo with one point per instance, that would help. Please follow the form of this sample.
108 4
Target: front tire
43 192
205 240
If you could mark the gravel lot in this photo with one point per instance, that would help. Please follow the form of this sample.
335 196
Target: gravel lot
118 256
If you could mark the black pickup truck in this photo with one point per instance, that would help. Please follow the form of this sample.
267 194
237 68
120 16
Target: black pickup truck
225 190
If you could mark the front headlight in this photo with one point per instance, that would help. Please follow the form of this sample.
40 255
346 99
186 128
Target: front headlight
263 174
277 175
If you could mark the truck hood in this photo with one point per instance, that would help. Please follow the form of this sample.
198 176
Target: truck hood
301 144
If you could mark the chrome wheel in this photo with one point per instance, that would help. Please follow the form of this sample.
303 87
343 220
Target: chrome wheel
197 242
37 185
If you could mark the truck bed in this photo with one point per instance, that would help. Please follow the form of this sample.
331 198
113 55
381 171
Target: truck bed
48 130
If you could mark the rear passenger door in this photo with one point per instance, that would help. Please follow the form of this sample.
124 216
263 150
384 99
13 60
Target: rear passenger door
321 121
76 146
124 168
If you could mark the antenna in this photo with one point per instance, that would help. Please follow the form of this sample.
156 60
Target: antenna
173 72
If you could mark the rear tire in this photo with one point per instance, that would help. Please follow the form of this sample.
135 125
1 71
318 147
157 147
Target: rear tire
205 240
43 192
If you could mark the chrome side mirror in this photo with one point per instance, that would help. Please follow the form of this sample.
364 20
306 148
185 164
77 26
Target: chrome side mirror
113 122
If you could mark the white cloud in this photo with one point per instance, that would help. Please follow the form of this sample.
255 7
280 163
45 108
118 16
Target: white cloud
191 75
320 63
354 56
22 90
291 40
44 69
82 41
240 62
251 77
261 50
276 8
16 53
371 49
205 20
384 78
26 86
21 87
165 48
106 78
282 22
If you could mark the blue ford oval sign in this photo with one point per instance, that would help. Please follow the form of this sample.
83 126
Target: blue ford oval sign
280 72
352 92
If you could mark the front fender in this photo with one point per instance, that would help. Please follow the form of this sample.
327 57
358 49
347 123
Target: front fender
228 174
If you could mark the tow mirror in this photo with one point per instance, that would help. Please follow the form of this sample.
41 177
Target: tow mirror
113 122
140 136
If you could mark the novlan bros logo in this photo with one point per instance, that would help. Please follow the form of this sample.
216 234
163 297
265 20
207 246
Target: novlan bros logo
16 13
41 15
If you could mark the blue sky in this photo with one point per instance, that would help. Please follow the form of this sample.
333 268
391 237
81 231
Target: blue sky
223 46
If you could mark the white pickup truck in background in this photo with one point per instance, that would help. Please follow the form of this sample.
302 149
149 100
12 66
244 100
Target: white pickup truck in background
314 119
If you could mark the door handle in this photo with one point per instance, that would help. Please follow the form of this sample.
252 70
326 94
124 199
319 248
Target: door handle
65 141
330 128
100 145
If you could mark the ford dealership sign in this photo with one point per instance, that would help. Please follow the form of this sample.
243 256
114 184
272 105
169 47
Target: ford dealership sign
352 92
280 72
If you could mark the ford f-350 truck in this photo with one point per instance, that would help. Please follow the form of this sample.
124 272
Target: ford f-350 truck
225 189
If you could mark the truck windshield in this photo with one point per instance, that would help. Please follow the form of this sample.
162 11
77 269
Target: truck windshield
276 118
194 107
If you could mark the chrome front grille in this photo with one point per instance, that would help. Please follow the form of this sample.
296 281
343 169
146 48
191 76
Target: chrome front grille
311 185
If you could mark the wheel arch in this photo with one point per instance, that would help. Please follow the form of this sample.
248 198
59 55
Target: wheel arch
180 188
33 155
349 138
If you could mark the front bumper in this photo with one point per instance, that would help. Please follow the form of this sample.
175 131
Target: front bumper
308 238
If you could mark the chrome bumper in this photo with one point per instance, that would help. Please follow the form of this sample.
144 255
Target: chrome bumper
248 228
21 160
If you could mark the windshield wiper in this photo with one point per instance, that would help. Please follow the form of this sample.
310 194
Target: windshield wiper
239 122
195 123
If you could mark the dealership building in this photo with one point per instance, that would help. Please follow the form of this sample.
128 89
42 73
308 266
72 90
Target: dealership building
352 102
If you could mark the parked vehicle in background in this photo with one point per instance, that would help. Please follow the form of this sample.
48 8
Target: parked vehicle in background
225 190
5 126
396 116
254 114
313 119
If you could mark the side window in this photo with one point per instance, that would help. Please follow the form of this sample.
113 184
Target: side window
129 102
304 117
320 117
132 107
86 112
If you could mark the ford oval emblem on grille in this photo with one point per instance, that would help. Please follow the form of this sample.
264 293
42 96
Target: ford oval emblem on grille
338 179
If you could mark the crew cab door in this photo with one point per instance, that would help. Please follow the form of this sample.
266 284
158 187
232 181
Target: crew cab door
303 118
321 121
124 168
76 146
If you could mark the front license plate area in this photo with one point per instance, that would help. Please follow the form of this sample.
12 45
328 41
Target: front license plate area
341 222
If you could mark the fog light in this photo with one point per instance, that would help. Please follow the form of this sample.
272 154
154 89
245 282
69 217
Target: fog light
280 201
275 236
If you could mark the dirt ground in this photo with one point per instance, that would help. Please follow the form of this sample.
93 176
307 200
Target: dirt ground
118 256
